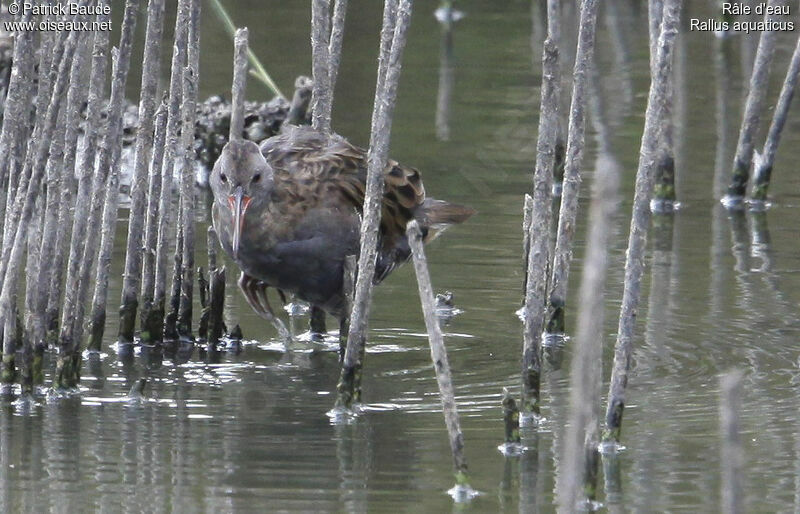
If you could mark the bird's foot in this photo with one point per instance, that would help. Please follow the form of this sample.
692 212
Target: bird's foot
255 292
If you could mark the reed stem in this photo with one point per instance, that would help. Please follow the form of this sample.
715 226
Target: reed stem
640 221
568 212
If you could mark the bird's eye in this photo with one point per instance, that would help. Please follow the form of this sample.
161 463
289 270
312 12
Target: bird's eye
223 177
256 177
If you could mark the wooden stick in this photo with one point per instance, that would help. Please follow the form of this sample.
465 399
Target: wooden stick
510 419
50 51
108 173
752 116
83 203
76 96
144 147
664 195
383 109
640 221
438 353
15 117
732 458
572 177
335 44
191 76
764 161
216 304
239 84
148 330
179 51
320 41
538 232
28 193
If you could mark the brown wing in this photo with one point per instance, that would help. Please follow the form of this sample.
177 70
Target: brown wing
312 169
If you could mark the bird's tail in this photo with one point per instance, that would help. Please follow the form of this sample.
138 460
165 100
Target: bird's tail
436 215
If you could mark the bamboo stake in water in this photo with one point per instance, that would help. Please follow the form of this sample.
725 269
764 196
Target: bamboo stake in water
764 161
664 195
438 354
66 336
179 52
572 177
144 147
396 20
510 420
538 232
640 221
188 112
732 460
15 116
109 160
26 196
216 324
76 96
42 232
148 330
12 140
50 50
752 115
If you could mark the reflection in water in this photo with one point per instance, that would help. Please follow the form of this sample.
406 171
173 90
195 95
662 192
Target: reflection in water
446 79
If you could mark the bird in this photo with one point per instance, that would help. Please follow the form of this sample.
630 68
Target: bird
288 212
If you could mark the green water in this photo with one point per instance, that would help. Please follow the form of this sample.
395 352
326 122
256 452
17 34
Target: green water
252 434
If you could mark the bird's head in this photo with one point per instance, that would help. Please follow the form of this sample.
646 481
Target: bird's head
241 178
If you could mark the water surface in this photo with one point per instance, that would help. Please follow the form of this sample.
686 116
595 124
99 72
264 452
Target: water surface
251 432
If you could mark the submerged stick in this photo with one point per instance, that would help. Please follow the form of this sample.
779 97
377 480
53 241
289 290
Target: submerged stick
179 51
188 114
349 387
216 305
572 177
764 161
752 115
732 459
146 335
34 168
438 353
538 232
664 194
171 317
107 176
510 419
50 53
15 116
76 96
83 204
640 221
144 147
349 289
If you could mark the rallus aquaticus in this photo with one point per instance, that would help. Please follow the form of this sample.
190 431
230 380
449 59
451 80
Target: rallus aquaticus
289 213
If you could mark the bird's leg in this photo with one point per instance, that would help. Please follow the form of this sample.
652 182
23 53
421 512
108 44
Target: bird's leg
316 322
255 292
